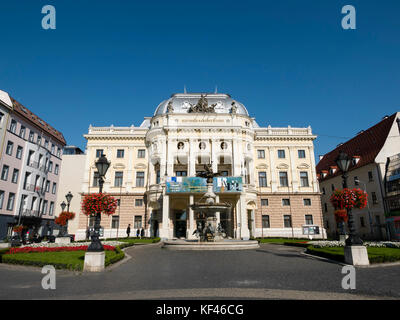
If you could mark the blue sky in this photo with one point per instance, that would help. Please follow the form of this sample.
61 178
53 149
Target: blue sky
289 61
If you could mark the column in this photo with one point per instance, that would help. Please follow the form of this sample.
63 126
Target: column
129 178
170 158
313 171
273 172
192 227
164 231
192 160
293 171
163 163
244 228
214 158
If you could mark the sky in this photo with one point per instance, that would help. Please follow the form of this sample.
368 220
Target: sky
289 62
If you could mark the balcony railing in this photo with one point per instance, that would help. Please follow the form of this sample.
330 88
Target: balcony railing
31 213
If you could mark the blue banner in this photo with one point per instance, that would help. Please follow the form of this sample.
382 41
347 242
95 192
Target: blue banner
199 185
227 184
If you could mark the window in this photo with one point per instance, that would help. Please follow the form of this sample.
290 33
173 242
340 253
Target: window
301 154
181 173
265 221
286 202
309 219
138 202
54 189
46 144
224 146
264 202
224 173
31 136
374 198
10 147
19 152
1 116
58 152
120 153
22 132
181 145
47 186
119 176
370 176
14 178
158 177
262 179
202 145
325 207
140 179
53 149
261 154
96 179
39 140
4 173
44 207
323 191
362 222
281 154
50 166
56 169
304 179
1 199
356 182
138 222
51 208
13 126
287 221
99 153
307 202
141 153
283 179
10 202
115 222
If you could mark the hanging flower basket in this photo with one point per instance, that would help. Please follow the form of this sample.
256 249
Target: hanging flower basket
18 229
349 199
98 202
341 215
63 218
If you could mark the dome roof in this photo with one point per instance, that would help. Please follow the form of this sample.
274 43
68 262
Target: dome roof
182 102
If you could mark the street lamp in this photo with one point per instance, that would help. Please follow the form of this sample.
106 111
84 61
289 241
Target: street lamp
62 229
343 162
63 205
102 166
69 197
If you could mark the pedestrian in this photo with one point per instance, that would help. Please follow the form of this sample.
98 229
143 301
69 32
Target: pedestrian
137 233
142 233
87 233
128 230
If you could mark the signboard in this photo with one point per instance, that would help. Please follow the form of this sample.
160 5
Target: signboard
186 184
227 184
310 230
199 185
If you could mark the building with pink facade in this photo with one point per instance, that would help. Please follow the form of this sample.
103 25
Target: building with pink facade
29 172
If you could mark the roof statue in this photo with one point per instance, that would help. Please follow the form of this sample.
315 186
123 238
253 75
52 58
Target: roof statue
202 106
170 108
234 108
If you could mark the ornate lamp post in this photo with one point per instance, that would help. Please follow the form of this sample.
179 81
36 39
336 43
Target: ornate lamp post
102 166
62 229
343 162
69 197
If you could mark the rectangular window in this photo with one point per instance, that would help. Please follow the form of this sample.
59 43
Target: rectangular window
95 179
301 154
1 199
119 177
181 173
374 198
304 179
44 207
283 179
19 152
4 173
264 202
262 179
31 136
99 153
51 208
120 153
138 222
287 221
281 154
47 186
14 178
53 149
140 179
10 202
10 146
46 144
58 152
265 221
370 176
138 202
261 154
115 222
309 219
54 189
141 153
39 140
56 169
307 202
22 132
13 126
286 202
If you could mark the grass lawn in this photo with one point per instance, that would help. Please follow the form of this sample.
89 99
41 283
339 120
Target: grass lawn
280 240
375 255
71 260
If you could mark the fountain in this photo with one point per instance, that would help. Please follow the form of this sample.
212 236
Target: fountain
210 236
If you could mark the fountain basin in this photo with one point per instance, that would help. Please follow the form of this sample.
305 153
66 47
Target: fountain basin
217 245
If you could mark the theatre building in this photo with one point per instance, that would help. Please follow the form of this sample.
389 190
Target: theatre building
266 174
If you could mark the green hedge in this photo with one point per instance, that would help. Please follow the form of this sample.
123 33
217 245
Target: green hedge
334 253
2 252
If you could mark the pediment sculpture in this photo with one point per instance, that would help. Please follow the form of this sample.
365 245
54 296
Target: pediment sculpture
202 106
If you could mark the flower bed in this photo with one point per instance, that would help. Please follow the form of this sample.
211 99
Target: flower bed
330 244
54 249
72 244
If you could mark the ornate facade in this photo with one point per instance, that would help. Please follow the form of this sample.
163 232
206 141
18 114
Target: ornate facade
277 190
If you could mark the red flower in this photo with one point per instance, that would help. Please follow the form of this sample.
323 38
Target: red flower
98 202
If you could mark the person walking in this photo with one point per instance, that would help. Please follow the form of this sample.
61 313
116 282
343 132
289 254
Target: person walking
142 233
138 233
128 230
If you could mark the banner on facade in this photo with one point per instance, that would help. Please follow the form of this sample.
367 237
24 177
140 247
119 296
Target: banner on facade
197 184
